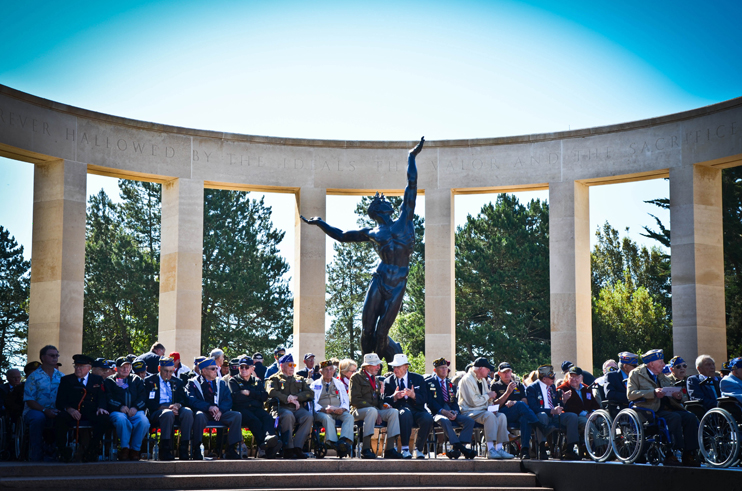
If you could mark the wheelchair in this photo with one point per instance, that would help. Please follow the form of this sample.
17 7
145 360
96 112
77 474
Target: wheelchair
719 433
598 431
639 434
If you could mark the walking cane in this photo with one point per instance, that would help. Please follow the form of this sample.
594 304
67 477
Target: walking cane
76 448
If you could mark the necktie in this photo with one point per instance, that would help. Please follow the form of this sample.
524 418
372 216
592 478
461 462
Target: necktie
401 384
551 397
80 380
210 388
444 389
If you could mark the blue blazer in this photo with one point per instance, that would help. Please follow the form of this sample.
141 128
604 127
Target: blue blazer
731 386
704 393
196 400
615 388
435 396
536 398
414 380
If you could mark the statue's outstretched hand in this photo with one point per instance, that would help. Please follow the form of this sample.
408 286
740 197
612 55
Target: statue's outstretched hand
311 221
418 147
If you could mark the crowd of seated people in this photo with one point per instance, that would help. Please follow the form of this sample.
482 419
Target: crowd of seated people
280 406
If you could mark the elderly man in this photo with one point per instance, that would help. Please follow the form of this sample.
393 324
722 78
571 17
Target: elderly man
511 397
210 399
248 396
260 369
545 401
99 368
367 405
600 382
331 404
40 396
13 377
167 404
126 403
647 387
587 377
615 388
274 369
475 402
406 392
291 392
444 406
705 385
731 384
139 369
80 398
181 371
310 371
678 369
152 358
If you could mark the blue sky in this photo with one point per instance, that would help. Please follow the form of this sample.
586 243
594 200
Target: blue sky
373 70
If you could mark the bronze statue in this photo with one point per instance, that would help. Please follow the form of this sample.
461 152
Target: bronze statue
394 241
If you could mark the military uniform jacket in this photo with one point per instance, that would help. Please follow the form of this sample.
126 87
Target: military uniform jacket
71 389
257 396
130 396
281 387
435 401
640 389
362 394
152 392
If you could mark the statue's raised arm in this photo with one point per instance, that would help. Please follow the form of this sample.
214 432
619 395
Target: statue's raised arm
410 192
336 233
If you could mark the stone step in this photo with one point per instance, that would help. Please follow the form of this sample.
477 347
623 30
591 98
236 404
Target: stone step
438 488
254 466
298 480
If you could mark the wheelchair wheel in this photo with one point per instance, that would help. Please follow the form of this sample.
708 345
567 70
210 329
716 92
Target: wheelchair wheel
655 453
598 435
21 440
627 436
718 438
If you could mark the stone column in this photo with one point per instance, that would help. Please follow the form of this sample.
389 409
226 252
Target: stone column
440 304
569 272
58 259
698 317
181 267
309 277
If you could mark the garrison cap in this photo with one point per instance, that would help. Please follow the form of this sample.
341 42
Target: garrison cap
286 359
441 362
628 358
167 361
206 362
653 355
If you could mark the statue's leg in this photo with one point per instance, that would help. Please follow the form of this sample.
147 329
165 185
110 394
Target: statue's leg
391 309
372 308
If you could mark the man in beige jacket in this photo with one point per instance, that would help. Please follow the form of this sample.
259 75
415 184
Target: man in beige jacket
475 399
648 388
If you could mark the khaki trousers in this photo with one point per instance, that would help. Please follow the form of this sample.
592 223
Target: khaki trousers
369 415
495 425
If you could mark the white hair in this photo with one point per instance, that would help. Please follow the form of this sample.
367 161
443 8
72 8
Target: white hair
216 353
703 358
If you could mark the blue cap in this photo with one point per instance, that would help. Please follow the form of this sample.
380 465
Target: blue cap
628 358
653 355
167 361
666 369
246 360
138 366
99 363
208 362
286 359
735 363
566 365
110 364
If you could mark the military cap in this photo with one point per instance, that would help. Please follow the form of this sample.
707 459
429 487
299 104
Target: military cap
31 367
138 366
675 361
167 361
99 363
325 364
110 364
286 359
546 371
653 355
735 363
440 362
121 360
234 362
207 362
308 356
131 358
198 359
82 360
667 370
628 358
566 366
246 361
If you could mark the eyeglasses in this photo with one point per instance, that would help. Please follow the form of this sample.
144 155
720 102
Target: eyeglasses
684 365
53 355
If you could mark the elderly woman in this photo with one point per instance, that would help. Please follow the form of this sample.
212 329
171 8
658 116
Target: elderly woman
346 369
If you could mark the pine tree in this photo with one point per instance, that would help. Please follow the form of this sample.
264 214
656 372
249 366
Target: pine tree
15 284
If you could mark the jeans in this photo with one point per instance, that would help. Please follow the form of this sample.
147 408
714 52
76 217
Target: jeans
520 413
130 429
36 421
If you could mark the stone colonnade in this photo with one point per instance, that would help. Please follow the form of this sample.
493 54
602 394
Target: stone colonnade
66 143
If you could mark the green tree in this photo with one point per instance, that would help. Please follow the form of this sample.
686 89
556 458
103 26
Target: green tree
122 271
502 284
630 296
14 291
246 303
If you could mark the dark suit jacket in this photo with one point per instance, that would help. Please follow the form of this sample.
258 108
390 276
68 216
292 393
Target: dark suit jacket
196 400
536 399
70 391
133 396
304 372
435 395
414 380
152 360
703 392
615 388
240 401
577 405
152 383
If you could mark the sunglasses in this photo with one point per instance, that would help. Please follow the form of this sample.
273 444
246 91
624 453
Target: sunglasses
210 368
292 365
53 355
684 365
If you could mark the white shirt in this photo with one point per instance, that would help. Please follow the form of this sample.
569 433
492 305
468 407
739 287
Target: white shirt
545 394
85 380
406 383
165 394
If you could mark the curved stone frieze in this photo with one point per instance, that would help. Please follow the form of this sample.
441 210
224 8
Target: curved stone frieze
125 147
